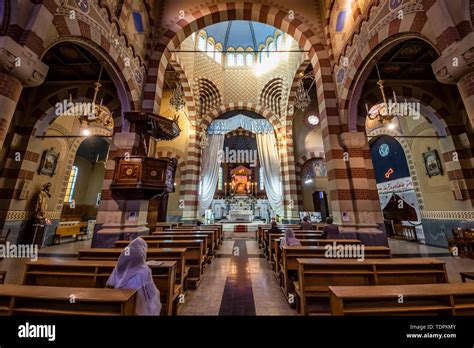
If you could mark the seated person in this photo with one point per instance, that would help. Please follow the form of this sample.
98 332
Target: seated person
198 223
132 272
274 228
305 224
289 239
331 231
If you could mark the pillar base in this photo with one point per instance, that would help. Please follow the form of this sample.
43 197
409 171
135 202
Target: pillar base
106 235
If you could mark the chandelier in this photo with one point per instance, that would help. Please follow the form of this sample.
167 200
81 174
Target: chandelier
177 99
380 112
97 115
302 99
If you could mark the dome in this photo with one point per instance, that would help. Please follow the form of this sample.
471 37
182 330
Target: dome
239 33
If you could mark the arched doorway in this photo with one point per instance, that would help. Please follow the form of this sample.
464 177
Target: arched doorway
396 189
84 186
314 184
241 164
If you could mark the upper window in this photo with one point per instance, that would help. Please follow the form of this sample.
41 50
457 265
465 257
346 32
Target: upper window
279 41
341 19
202 43
210 49
71 185
137 20
240 59
231 59
249 59
218 56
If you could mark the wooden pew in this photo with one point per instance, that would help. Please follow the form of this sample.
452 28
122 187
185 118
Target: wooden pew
304 242
94 274
316 275
270 238
69 229
209 246
217 227
300 234
288 267
51 300
158 254
161 226
422 299
213 234
266 227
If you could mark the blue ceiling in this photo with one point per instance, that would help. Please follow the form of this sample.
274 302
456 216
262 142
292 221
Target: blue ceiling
240 33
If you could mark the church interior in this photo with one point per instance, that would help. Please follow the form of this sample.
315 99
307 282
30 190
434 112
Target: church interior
257 158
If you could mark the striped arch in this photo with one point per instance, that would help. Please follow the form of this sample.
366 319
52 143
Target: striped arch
207 95
195 20
188 93
259 109
71 158
273 95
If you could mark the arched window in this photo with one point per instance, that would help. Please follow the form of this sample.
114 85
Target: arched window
271 48
279 42
230 59
341 19
240 59
210 49
249 59
218 56
202 43
71 184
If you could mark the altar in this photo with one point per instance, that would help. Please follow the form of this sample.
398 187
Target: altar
241 215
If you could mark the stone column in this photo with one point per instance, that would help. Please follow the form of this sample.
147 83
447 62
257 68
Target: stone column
352 188
19 67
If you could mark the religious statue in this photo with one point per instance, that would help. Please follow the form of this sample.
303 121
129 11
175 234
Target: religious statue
42 202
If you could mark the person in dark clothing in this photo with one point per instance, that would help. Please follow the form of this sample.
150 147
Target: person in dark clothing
274 228
331 231
305 224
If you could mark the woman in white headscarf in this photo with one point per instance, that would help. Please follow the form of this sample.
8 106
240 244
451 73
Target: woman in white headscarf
132 272
289 239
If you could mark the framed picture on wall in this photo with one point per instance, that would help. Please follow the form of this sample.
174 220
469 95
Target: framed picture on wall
49 162
432 163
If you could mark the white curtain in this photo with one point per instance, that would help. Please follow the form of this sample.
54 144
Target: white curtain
270 162
210 170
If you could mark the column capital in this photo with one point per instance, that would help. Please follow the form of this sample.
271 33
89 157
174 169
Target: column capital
455 61
21 63
353 140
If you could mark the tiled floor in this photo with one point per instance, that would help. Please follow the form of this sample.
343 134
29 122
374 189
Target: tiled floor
242 284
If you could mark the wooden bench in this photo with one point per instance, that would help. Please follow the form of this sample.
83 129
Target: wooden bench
422 299
195 256
217 228
262 228
208 239
275 264
316 275
288 268
69 229
94 274
299 234
3 275
158 254
30 300
160 226
213 234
